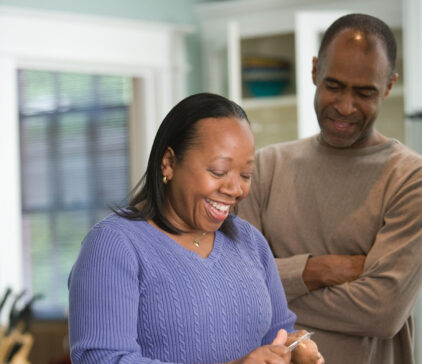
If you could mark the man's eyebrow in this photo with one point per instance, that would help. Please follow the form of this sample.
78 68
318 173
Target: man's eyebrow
366 87
359 87
334 80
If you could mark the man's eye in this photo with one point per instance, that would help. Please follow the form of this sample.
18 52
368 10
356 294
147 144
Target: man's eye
332 87
366 94
246 176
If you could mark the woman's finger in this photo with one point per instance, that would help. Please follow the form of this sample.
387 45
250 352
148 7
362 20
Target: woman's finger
281 338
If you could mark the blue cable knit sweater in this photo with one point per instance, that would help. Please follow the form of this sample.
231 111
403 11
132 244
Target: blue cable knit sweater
137 296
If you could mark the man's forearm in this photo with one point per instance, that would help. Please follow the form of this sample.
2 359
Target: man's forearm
328 270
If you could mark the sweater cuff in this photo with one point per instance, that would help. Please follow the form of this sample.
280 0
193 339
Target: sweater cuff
291 271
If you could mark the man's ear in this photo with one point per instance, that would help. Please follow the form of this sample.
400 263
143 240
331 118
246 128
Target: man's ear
167 163
314 69
390 84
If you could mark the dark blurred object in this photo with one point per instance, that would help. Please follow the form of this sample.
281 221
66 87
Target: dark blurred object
64 360
51 340
21 319
15 341
14 314
5 297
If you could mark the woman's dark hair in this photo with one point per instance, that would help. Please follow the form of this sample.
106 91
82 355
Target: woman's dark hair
177 131
367 24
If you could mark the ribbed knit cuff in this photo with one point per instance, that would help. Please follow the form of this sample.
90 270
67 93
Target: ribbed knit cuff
291 271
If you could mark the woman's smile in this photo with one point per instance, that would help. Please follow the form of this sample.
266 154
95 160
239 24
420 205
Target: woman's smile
217 211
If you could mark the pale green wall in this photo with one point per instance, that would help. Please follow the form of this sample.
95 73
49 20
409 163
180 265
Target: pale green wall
174 11
169 11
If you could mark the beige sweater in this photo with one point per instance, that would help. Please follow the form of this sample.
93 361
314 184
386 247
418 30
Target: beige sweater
308 199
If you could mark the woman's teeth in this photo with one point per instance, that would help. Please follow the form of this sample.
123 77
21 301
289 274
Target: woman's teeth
218 206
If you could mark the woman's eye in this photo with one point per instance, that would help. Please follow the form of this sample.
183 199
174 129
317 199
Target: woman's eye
246 176
217 173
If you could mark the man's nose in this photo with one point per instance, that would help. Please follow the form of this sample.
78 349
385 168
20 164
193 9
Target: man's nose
345 104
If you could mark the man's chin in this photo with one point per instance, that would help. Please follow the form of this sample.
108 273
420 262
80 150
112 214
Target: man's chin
335 141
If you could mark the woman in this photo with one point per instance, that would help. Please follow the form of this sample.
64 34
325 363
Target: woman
175 277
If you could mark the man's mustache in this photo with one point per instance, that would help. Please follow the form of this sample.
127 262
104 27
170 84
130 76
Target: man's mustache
342 118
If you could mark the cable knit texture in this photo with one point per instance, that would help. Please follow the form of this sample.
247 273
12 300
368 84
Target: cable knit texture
137 296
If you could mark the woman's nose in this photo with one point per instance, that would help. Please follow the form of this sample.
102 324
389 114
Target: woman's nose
233 186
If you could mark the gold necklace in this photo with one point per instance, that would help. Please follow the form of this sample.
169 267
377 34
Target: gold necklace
198 239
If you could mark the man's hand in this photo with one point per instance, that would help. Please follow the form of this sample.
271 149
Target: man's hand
329 270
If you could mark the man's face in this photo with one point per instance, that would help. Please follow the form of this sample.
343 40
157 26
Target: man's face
352 79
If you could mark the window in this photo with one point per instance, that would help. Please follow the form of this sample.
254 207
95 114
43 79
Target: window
74 164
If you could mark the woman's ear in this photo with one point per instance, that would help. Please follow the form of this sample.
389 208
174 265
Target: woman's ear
167 163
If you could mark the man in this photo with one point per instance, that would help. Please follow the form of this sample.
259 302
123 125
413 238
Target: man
342 211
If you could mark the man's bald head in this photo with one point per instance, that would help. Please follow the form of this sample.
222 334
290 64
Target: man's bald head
366 27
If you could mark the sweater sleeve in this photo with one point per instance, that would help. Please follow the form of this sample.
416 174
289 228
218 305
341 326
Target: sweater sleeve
382 299
291 272
282 316
104 300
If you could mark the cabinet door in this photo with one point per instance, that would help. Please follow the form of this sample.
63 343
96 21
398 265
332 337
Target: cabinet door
309 27
261 78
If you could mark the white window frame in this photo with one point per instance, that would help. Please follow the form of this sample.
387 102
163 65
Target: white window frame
153 54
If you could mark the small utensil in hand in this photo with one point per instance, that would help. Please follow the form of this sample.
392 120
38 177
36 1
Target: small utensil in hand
298 341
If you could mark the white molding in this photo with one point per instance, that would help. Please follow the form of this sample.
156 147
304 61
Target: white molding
254 11
115 22
238 8
234 62
11 274
412 48
81 39
153 53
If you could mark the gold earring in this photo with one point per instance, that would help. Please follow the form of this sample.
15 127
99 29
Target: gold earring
165 180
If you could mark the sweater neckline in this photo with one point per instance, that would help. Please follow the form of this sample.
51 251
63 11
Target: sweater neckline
175 247
352 151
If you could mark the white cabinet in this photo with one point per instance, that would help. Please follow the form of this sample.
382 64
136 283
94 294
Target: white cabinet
271 103
233 32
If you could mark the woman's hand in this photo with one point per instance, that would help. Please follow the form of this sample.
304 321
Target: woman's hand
276 353
306 352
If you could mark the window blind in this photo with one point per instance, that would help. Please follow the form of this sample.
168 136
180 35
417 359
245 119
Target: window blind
74 164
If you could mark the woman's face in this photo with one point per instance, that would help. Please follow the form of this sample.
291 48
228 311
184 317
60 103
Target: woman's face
214 175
